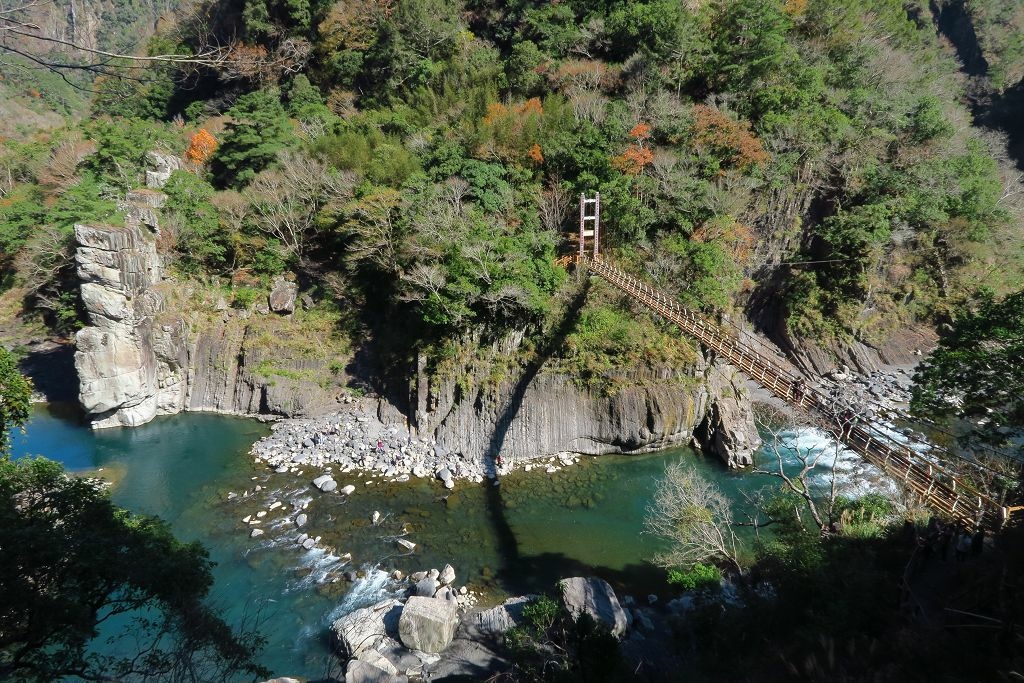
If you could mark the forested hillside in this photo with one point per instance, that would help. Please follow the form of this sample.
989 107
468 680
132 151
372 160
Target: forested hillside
419 162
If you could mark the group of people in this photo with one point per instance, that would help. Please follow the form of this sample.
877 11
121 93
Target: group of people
939 537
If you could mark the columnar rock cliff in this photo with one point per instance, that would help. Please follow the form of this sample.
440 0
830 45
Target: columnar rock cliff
145 354
130 368
540 412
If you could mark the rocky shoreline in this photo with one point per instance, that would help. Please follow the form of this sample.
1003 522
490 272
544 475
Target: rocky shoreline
434 632
356 439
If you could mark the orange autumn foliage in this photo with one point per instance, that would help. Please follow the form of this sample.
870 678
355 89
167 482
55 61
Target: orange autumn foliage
633 160
732 141
795 8
640 131
510 131
201 147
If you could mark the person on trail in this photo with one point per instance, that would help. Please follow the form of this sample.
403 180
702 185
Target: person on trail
978 542
963 545
380 445
944 542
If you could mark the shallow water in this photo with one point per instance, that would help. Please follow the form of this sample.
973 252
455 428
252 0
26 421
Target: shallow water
518 537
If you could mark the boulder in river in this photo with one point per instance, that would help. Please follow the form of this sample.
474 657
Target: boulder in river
595 597
426 587
428 624
407 544
363 628
348 489
447 576
301 519
445 475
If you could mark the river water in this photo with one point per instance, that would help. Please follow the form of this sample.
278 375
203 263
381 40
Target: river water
517 537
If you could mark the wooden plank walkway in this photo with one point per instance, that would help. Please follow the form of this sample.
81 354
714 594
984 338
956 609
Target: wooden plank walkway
939 489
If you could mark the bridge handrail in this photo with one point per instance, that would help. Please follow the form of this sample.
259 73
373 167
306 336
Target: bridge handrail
875 445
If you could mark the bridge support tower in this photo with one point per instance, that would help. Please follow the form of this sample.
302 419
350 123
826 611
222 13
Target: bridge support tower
590 223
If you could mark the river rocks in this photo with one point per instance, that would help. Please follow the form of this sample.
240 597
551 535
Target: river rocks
309 543
282 296
426 587
362 629
374 658
255 533
325 482
348 490
301 519
445 475
497 620
407 544
595 597
360 671
447 575
427 624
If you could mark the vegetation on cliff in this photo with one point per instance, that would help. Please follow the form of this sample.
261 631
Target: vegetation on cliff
423 160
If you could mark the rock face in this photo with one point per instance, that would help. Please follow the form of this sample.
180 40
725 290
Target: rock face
140 357
428 624
529 416
363 629
596 598
165 165
553 414
130 367
729 429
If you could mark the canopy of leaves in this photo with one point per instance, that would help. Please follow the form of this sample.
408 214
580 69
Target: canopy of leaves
15 399
73 561
976 372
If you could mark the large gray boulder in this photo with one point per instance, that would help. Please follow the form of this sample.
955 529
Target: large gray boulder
282 296
427 587
497 620
364 628
595 597
428 624
359 671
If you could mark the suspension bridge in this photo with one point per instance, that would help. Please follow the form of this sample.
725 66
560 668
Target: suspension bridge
937 487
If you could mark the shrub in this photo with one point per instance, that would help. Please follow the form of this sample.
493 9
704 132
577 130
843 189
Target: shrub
541 613
244 297
697 576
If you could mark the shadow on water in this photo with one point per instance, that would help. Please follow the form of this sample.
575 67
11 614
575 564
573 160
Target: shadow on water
506 538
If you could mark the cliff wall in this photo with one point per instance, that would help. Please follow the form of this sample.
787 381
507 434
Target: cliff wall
155 346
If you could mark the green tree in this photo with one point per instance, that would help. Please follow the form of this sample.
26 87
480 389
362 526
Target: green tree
201 241
15 400
258 131
74 561
976 371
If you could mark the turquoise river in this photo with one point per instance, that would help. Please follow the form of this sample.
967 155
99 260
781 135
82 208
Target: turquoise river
520 536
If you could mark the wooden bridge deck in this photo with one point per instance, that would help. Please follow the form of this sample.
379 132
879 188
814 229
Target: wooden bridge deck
939 489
